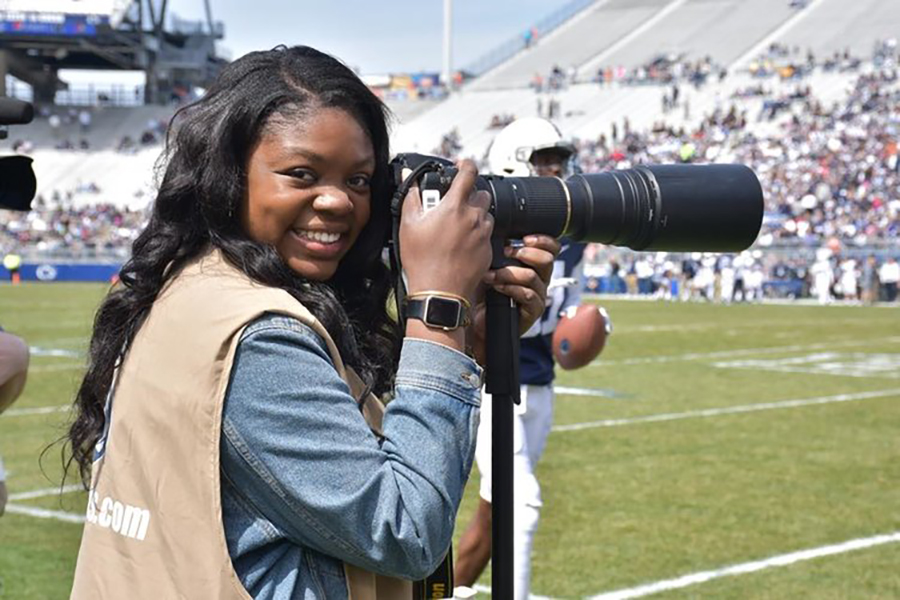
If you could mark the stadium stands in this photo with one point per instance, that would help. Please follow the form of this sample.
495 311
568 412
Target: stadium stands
775 87
836 25
720 29
582 37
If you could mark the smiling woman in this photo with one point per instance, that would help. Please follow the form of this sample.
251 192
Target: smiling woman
229 421
310 201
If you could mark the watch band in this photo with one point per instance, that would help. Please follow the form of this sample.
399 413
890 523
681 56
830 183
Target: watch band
438 311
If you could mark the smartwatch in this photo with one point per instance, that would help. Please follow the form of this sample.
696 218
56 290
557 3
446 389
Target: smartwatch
438 312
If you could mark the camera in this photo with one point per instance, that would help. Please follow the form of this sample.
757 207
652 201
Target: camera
17 181
695 208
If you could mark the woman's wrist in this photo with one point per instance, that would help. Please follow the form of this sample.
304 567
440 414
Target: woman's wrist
455 338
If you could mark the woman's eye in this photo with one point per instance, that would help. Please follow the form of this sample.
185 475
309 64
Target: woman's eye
359 181
303 175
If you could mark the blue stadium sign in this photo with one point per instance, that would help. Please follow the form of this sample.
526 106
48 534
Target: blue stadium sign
50 24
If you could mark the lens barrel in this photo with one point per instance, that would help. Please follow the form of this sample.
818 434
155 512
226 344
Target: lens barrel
661 207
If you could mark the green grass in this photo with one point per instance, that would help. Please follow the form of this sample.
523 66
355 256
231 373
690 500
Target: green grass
624 505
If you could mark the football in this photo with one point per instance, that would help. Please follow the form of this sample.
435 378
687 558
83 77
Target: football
580 336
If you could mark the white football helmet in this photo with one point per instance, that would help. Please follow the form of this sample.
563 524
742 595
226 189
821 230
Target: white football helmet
512 151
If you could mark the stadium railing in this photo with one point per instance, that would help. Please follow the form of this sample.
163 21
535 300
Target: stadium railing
510 47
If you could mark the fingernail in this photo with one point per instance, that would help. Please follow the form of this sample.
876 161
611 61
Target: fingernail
489 277
509 251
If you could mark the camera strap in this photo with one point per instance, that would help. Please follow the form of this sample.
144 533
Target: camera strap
439 584
406 183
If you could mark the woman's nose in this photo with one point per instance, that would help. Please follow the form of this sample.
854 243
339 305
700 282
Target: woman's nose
334 201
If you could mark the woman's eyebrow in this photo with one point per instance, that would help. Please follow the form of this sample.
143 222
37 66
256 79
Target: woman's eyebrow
289 152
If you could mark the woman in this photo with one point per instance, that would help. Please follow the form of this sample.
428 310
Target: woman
225 422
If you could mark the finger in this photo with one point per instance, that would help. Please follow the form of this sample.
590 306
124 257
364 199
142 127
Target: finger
480 199
543 242
464 181
538 259
412 204
513 275
525 297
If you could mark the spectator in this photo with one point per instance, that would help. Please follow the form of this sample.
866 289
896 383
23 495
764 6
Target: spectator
870 280
55 122
84 119
889 274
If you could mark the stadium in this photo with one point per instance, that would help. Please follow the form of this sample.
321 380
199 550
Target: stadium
737 436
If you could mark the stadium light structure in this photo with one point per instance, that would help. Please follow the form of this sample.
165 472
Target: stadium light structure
447 64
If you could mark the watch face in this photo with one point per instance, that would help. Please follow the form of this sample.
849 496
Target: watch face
442 312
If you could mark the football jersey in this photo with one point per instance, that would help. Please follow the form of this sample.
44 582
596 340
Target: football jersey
536 352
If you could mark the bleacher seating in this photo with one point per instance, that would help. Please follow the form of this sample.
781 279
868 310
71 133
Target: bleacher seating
630 33
585 35
720 29
835 25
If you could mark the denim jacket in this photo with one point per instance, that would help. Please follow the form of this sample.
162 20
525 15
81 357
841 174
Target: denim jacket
307 486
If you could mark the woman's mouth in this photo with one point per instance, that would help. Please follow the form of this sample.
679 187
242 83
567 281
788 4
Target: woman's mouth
324 244
322 237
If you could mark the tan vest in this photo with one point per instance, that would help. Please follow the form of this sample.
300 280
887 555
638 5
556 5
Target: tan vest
154 520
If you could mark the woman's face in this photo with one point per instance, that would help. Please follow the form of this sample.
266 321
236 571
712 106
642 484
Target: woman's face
309 190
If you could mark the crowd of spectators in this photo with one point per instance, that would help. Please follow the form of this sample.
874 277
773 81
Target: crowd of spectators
791 63
57 230
827 172
665 69
71 128
825 275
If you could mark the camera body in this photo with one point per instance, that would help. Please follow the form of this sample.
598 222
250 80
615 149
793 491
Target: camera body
17 181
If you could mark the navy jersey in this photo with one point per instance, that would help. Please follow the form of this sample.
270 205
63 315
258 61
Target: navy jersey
536 354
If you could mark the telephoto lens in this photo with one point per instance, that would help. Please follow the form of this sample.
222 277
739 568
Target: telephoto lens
716 208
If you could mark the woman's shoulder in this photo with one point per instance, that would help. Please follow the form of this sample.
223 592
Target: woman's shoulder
278 327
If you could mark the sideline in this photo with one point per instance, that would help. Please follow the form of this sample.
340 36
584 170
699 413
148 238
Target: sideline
781 560
728 410
40 410
43 513
593 392
741 352
43 493
55 368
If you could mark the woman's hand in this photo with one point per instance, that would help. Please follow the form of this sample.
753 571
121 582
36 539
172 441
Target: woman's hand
448 248
526 284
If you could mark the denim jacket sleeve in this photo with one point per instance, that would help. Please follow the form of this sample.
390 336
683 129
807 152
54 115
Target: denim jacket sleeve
297 448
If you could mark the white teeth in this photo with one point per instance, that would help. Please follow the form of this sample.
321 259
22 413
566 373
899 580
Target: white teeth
320 236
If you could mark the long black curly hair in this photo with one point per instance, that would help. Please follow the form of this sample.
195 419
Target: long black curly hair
204 181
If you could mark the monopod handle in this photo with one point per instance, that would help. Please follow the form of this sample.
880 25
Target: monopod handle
502 348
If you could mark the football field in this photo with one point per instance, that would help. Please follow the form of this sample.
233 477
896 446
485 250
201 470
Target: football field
746 451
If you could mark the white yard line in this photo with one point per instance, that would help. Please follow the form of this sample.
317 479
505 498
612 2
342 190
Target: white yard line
574 391
43 513
727 410
42 410
53 352
487 590
741 352
781 560
55 368
43 493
